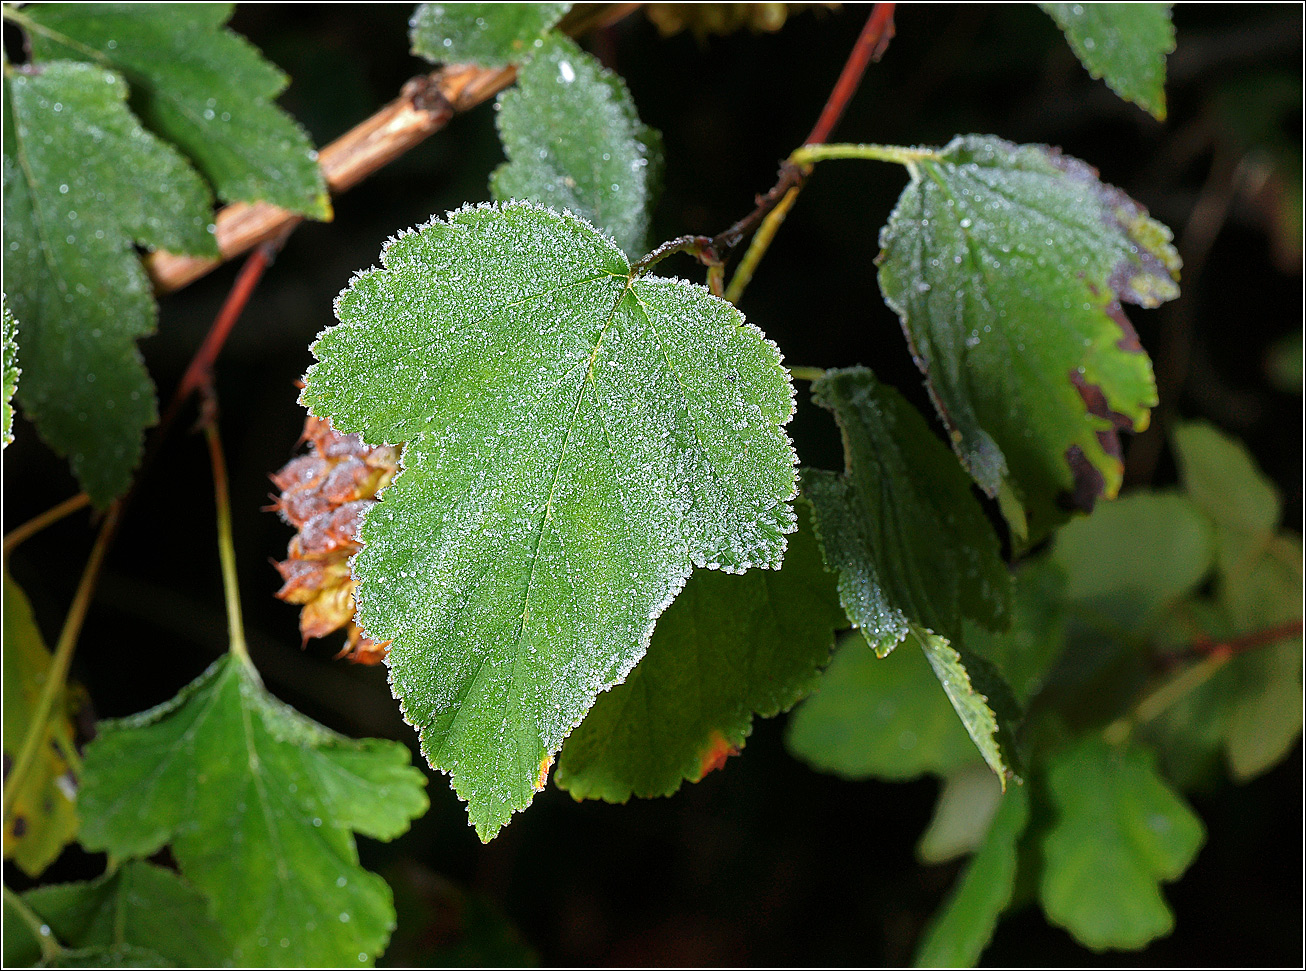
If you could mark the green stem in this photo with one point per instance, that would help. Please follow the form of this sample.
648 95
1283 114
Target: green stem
811 154
50 948
759 244
59 664
48 518
1163 696
226 546
806 373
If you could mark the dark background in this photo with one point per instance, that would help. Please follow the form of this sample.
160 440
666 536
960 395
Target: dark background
765 862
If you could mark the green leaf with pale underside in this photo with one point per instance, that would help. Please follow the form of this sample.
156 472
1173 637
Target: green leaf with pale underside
910 544
202 87
1119 832
1007 265
487 34
578 437
138 906
259 806
728 648
82 182
1124 44
574 142
958 933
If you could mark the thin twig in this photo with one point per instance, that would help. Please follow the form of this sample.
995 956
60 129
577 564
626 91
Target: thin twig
40 521
870 46
57 674
1230 647
425 105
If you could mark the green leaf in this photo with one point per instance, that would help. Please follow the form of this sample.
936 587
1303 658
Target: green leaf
138 906
578 438
9 338
202 87
1120 831
969 797
488 34
910 543
44 816
1037 636
1124 44
729 647
1134 557
1006 264
957 934
82 181
574 142
1220 475
879 717
257 803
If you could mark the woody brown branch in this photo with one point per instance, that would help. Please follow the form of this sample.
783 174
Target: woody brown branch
424 106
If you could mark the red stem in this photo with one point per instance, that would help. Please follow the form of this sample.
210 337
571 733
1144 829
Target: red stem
1247 642
870 46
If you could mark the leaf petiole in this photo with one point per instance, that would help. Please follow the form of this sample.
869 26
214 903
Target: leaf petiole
901 155
226 546
50 948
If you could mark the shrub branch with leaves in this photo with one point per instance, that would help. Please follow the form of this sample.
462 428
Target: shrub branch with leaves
554 490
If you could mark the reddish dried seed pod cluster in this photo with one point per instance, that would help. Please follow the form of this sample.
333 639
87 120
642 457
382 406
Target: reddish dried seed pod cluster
324 495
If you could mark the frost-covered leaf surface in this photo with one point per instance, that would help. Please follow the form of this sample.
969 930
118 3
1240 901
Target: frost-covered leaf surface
728 648
1124 44
138 909
44 817
9 340
575 142
879 717
957 934
576 441
202 87
1007 265
488 34
910 543
82 182
259 806
1119 832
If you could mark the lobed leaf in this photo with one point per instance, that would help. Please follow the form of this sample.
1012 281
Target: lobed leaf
488 34
82 181
577 439
138 911
575 142
202 87
1124 44
9 342
958 933
879 717
259 806
728 648
1120 831
910 544
43 816
1007 265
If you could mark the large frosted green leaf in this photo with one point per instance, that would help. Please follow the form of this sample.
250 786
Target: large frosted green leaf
574 142
137 908
957 934
882 717
9 338
82 181
1124 44
44 816
205 89
729 647
1119 832
488 34
910 543
577 439
1007 265
259 805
